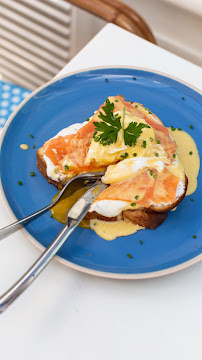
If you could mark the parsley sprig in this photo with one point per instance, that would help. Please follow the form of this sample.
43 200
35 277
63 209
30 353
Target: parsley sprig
106 131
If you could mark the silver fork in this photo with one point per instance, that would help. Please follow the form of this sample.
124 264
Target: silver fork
82 180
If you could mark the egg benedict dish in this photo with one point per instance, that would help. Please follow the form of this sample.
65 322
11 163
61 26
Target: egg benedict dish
140 159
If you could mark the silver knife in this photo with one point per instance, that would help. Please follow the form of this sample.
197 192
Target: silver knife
75 215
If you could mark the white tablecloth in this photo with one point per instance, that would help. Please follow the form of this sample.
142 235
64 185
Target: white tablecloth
69 315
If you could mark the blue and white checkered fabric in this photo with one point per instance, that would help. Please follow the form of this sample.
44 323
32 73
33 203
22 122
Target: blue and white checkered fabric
10 97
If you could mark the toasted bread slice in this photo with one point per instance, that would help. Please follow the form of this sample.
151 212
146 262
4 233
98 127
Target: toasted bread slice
148 217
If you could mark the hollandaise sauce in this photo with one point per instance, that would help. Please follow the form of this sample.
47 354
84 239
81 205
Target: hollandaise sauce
109 230
189 157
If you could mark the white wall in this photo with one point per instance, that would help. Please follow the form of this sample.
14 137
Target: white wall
176 24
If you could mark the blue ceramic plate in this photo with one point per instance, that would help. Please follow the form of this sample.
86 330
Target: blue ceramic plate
72 99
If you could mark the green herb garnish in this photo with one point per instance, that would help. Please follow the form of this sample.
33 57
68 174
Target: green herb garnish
144 144
179 129
20 183
124 156
133 204
136 106
151 139
87 119
194 236
32 173
134 154
182 97
192 200
66 167
191 153
141 242
173 128
158 141
154 176
191 126
157 154
129 256
151 172
174 155
31 136
33 147
134 78
137 197
106 131
116 100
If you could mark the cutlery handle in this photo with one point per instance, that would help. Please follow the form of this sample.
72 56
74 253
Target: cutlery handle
11 294
5 230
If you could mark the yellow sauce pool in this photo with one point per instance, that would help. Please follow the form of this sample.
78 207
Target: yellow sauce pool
189 157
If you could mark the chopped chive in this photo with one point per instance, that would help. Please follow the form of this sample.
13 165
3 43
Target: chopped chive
194 236
51 216
158 141
124 156
157 154
151 139
129 256
191 126
32 173
133 204
134 78
106 80
191 153
31 136
182 97
179 129
136 106
154 176
116 100
151 172
173 128
66 167
135 154
137 197
174 155
144 144
33 147
141 242
20 183
150 112
87 119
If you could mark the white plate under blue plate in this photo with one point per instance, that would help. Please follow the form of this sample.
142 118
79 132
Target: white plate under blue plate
73 99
